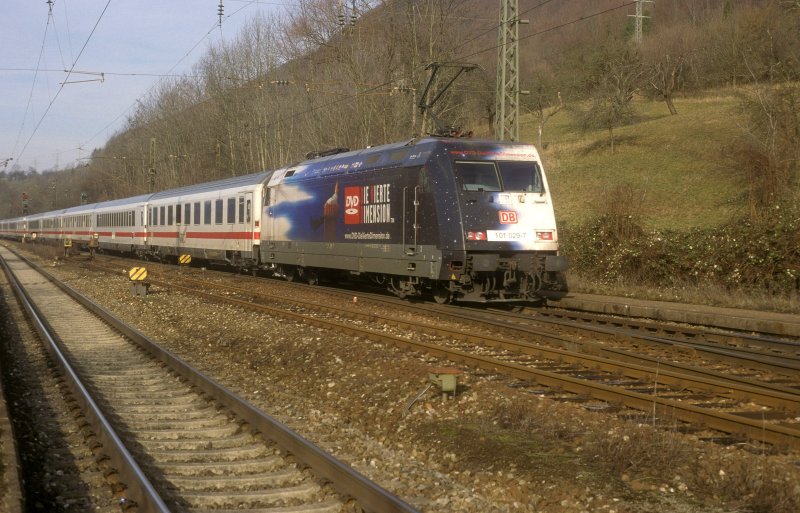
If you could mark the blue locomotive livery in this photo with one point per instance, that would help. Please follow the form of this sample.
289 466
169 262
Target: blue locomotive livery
459 219
452 218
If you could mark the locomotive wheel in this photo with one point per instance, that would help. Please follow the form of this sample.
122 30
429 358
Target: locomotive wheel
289 273
394 289
442 295
310 276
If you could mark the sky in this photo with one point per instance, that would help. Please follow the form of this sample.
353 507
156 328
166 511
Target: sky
44 125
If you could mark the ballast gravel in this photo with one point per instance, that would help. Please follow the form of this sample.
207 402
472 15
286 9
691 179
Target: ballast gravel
498 446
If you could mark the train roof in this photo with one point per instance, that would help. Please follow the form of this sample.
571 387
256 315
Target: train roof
91 207
227 183
413 152
123 202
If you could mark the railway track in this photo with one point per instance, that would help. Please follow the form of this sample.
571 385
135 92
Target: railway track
742 406
178 441
11 499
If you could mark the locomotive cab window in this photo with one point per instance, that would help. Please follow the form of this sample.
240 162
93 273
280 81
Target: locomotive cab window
477 176
521 176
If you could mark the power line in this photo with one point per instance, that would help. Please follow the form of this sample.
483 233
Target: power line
495 47
497 25
168 73
107 73
36 128
33 86
371 90
556 27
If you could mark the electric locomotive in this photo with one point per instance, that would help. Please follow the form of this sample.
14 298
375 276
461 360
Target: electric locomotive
462 220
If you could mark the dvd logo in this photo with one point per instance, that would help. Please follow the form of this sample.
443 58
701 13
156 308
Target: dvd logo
508 217
352 205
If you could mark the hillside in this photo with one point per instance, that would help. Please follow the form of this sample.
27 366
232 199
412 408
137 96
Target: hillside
673 170
706 197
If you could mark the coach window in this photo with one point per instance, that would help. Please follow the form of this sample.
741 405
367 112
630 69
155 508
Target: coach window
178 213
162 218
187 213
170 220
207 212
197 212
218 211
231 210
248 211
241 209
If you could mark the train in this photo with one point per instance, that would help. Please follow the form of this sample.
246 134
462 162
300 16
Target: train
461 220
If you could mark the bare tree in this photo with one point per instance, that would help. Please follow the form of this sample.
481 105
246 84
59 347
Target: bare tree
615 81
544 106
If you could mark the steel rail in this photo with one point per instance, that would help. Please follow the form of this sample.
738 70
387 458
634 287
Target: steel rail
787 363
716 334
350 483
9 458
729 423
758 361
664 372
139 486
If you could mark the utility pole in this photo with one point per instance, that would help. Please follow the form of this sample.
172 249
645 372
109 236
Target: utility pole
637 36
507 94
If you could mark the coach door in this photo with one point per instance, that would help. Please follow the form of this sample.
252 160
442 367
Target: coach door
181 224
268 216
245 225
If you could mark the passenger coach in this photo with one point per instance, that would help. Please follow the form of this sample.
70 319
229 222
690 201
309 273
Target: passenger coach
217 221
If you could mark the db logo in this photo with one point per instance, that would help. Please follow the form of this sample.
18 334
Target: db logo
508 217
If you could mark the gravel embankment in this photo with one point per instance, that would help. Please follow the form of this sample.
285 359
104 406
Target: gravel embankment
497 447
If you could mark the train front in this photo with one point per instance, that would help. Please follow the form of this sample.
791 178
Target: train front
505 247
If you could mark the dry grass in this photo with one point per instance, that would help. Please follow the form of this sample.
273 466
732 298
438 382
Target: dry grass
661 458
692 293
677 162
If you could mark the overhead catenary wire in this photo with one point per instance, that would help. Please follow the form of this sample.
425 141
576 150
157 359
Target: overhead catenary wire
107 73
556 27
167 74
369 90
33 86
50 105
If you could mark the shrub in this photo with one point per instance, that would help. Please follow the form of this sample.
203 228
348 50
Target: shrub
762 254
